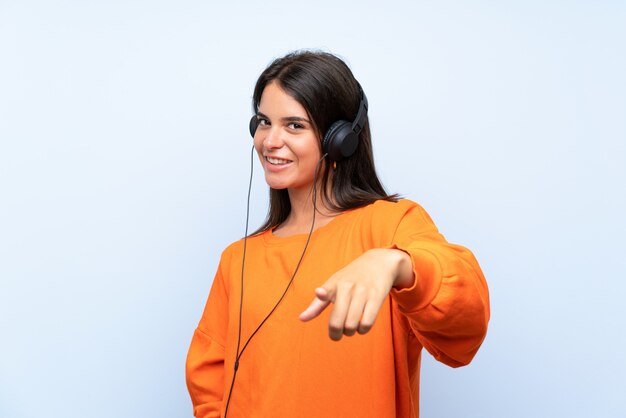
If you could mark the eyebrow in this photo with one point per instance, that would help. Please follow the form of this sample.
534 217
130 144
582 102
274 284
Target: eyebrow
286 119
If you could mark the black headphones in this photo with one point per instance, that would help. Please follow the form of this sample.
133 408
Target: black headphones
342 138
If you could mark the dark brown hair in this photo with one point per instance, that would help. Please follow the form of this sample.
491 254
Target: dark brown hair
324 85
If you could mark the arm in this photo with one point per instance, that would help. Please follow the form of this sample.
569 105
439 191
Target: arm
205 360
447 306
438 286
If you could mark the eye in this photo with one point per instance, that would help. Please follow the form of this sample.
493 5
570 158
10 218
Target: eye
263 121
295 126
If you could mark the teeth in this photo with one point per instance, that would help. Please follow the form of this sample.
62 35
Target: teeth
277 161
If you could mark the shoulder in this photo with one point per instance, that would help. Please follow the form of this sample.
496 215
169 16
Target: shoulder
384 208
389 211
401 212
235 249
380 221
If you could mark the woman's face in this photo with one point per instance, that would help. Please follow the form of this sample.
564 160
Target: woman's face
286 141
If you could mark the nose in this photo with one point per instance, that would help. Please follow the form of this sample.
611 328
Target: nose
273 138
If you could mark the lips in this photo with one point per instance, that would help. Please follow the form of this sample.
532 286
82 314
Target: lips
277 161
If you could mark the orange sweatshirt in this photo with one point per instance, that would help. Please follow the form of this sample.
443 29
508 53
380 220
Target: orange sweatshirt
293 369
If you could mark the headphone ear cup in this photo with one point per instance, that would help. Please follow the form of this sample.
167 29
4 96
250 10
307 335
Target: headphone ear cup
254 123
340 141
330 133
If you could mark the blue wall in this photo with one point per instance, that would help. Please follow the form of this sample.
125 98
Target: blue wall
124 159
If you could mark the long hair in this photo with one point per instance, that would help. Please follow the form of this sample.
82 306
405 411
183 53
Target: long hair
324 85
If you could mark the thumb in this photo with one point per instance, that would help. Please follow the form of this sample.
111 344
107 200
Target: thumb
315 308
323 298
325 293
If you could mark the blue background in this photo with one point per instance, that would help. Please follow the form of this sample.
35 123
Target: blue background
124 161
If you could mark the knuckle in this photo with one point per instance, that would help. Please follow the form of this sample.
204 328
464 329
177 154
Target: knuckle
361 289
364 327
344 286
349 332
350 326
367 322
351 323
335 328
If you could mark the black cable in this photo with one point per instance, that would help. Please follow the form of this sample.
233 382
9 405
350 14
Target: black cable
240 353
245 238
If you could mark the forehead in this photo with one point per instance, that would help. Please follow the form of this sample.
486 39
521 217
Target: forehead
276 101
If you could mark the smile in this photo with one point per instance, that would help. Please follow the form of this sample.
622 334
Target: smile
276 161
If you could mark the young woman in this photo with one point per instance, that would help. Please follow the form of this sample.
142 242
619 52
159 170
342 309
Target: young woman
324 311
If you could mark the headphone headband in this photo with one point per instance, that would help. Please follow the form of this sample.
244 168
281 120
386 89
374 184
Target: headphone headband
361 116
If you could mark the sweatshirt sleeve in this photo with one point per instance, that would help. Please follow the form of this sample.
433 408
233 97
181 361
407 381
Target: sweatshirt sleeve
447 307
205 360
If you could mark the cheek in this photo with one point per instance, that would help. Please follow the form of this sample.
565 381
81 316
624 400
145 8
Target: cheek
256 141
258 146
310 149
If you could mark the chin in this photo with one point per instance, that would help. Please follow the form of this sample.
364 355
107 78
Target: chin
282 183
274 186
278 185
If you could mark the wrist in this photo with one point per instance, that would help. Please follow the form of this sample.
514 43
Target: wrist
401 267
405 277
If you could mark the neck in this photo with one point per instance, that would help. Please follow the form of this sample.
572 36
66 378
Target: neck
301 215
302 206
